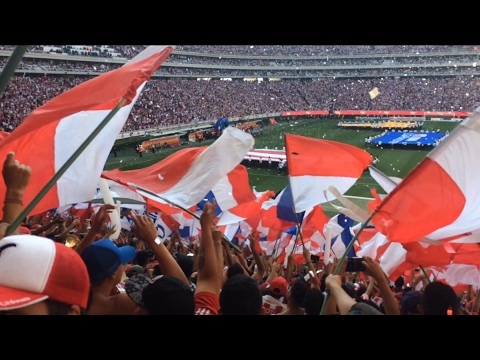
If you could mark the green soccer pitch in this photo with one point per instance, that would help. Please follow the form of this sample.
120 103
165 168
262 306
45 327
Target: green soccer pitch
392 162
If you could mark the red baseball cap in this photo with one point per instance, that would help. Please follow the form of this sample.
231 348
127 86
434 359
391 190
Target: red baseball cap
279 286
34 269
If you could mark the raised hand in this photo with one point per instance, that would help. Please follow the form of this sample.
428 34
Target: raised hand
15 175
217 234
332 281
306 254
145 229
101 216
208 214
373 268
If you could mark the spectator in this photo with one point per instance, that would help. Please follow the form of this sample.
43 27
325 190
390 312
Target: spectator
55 283
105 264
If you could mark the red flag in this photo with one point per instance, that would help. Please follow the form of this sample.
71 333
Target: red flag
314 165
53 132
186 177
438 199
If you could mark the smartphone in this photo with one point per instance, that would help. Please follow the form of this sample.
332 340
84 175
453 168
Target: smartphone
308 276
355 265
315 258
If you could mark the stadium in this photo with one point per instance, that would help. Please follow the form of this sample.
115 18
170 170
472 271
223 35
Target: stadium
198 85
397 102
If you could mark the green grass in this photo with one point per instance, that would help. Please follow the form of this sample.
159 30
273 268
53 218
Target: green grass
396 162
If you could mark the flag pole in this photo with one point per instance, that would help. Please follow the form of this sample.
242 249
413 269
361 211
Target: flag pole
182 208
425 273
299 230
342 259
64 168
11 65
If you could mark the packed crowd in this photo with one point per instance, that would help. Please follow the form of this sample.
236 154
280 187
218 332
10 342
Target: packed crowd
129 51
167 102
320 50
61 65
460 60
384 60
125 51
69 265
169 69
447 70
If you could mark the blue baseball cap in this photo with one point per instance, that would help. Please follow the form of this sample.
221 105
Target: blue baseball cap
103 258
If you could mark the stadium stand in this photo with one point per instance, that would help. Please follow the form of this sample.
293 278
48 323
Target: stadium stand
189 88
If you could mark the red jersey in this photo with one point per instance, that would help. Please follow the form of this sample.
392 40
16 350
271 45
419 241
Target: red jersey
272 306
206 303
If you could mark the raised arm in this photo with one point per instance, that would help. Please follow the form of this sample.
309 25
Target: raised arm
374 270
289 271
47 226
97 225
344 301
209 279
16 178
145 229
257 275
227 253
308 259
74 223
217 236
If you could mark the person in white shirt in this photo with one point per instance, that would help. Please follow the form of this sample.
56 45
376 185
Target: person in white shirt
281 166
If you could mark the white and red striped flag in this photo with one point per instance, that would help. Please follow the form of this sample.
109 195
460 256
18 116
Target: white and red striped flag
187 176
440 198
53 132
314 165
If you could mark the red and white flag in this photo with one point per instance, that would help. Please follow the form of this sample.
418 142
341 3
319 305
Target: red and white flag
53 132
440 198
314 165
185 177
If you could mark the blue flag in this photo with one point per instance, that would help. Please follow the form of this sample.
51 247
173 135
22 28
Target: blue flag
209 197
285 207
345 237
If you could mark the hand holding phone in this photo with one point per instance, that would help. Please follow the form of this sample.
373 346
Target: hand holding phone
355 265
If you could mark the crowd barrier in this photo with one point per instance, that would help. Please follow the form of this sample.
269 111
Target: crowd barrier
380 125
458 114
363 114
193 136
169 141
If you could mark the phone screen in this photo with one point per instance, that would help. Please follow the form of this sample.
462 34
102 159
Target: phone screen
355 265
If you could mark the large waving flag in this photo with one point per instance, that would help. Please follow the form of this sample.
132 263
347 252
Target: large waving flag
441 196
314 165
285 207
229 192
244 210
314 227
185 177
341 242
269 213
53 132
164 224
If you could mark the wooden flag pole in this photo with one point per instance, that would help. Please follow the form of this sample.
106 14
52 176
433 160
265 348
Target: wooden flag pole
342 259
64 168
11 65
182 208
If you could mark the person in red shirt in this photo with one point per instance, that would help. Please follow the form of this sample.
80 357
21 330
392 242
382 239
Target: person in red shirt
272 302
